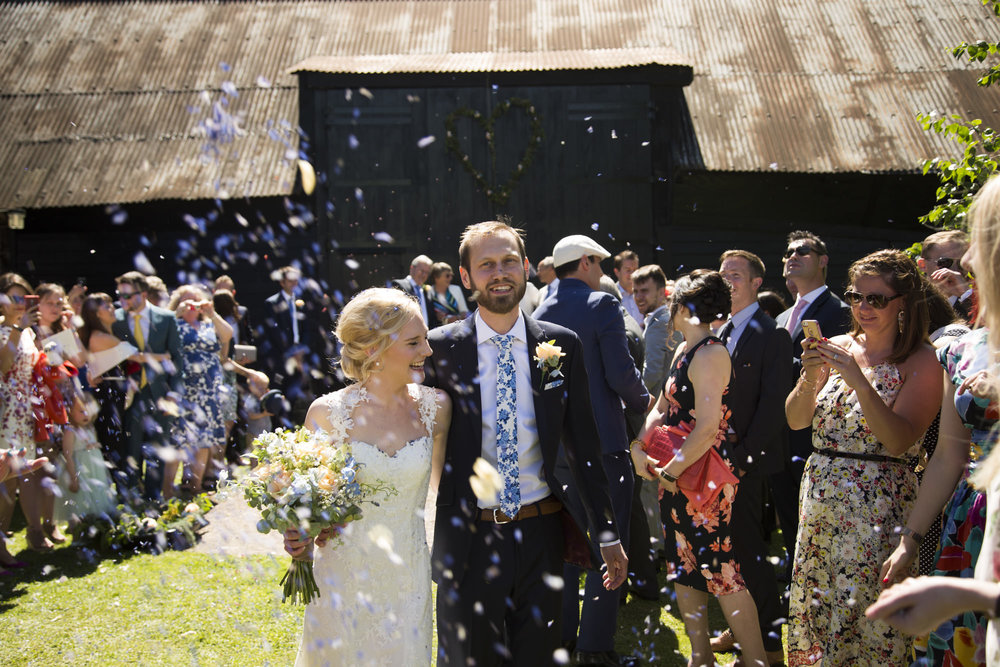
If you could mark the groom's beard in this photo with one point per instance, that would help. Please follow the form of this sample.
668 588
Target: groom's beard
500 304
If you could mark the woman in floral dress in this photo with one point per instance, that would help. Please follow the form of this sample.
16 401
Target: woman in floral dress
869 396
704 561
18 355
204 335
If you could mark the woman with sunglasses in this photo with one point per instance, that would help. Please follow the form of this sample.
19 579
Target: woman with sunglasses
869 396
18 355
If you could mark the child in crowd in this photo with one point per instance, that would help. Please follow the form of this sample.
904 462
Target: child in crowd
84 479
256 403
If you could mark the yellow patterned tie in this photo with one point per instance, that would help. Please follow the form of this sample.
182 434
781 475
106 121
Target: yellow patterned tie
141 342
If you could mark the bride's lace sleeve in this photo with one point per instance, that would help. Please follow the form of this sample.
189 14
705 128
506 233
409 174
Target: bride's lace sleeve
428 406
341 404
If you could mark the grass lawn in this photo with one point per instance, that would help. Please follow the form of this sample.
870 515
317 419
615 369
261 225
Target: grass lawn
185 608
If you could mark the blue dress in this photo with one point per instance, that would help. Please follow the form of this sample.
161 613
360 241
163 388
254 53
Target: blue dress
200 423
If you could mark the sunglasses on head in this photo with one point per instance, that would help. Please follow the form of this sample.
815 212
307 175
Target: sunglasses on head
876 301
801 251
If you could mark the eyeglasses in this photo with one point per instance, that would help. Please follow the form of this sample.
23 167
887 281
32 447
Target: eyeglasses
876 301
800 250
125 296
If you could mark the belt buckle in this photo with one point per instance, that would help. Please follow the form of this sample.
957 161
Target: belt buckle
498 521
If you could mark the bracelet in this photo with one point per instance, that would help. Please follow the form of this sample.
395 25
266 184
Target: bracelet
639 442
17 327
912 534
806 381
667 476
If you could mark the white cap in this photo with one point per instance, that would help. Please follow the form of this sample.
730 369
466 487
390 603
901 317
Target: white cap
572 248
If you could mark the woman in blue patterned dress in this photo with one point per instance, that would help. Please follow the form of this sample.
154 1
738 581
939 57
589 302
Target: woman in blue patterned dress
200 426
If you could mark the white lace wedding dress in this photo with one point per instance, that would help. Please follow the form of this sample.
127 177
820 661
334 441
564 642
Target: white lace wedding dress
375 585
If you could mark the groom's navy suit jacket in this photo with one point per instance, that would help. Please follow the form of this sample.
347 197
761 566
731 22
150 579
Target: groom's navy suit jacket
562 412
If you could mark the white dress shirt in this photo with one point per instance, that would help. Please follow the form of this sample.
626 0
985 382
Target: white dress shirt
628 300
529 451
740 319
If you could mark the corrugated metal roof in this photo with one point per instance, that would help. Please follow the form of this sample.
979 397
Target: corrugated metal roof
96 95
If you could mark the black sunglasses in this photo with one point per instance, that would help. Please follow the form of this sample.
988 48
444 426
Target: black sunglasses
125 296
945 262
801 251
876 301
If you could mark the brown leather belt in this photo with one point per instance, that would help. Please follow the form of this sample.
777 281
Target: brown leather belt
544 506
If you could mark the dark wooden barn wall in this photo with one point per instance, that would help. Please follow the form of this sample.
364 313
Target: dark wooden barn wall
853 213
592 173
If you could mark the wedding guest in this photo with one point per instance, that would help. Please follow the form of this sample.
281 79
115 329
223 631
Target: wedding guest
413 284
18 356
106 353
158 293
149 329
869 395
967 434
626 263
200 430
84 479
921 605
447 301
771 303
703 561
940 260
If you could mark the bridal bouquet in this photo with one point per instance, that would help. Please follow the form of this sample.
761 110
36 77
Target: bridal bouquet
305 481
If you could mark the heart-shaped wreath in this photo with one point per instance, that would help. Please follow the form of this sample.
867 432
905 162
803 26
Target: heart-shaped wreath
496 194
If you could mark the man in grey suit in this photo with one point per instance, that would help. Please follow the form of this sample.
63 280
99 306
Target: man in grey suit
596 318
413 284
649 286
153 331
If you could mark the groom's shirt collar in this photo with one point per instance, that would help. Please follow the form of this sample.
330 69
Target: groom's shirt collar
484 333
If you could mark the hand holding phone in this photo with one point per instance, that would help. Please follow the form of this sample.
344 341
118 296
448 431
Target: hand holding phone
811 330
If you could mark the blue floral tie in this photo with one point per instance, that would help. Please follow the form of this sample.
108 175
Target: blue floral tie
507 464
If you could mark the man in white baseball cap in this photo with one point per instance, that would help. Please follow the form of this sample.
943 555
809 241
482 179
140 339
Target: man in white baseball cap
570 249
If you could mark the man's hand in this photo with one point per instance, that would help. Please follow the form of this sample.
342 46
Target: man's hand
616 563
951 283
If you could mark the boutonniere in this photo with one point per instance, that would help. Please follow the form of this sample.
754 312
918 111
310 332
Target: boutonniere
549 356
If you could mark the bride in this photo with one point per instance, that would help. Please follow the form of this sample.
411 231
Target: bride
374 576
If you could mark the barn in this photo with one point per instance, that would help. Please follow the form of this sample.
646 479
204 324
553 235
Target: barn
168 134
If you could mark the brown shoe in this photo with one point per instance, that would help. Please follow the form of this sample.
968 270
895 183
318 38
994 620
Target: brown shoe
724 643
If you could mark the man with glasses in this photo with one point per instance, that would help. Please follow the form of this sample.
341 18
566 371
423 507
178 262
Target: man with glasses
153 330
940 260
805 262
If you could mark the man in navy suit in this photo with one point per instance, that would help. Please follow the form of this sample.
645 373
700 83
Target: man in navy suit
153 331
762 377
806 259
596 318
496 599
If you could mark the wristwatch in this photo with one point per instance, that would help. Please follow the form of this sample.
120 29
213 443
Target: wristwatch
912 534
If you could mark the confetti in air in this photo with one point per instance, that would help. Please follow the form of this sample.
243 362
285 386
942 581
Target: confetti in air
308 176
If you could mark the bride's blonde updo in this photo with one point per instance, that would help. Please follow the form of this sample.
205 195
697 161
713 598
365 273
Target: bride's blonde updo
368 325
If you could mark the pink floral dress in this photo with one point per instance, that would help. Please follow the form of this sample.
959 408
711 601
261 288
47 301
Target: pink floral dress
848 511
17 422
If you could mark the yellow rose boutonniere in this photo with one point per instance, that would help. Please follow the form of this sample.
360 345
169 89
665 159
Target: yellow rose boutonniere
549 356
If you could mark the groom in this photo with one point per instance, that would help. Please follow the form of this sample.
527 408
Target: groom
498 563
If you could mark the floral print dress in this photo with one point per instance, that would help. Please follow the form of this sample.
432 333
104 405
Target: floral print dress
848 511
705 559
201 424
17 421
961 641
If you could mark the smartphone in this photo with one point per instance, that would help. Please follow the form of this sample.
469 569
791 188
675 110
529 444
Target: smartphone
31 300
811 329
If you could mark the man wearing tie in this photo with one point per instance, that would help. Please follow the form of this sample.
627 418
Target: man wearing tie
758 433
153 331
496 557
413 284
805 260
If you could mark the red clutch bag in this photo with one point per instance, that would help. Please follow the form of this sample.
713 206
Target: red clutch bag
701 482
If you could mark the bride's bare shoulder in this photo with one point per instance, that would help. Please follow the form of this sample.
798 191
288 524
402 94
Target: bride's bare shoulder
318 416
